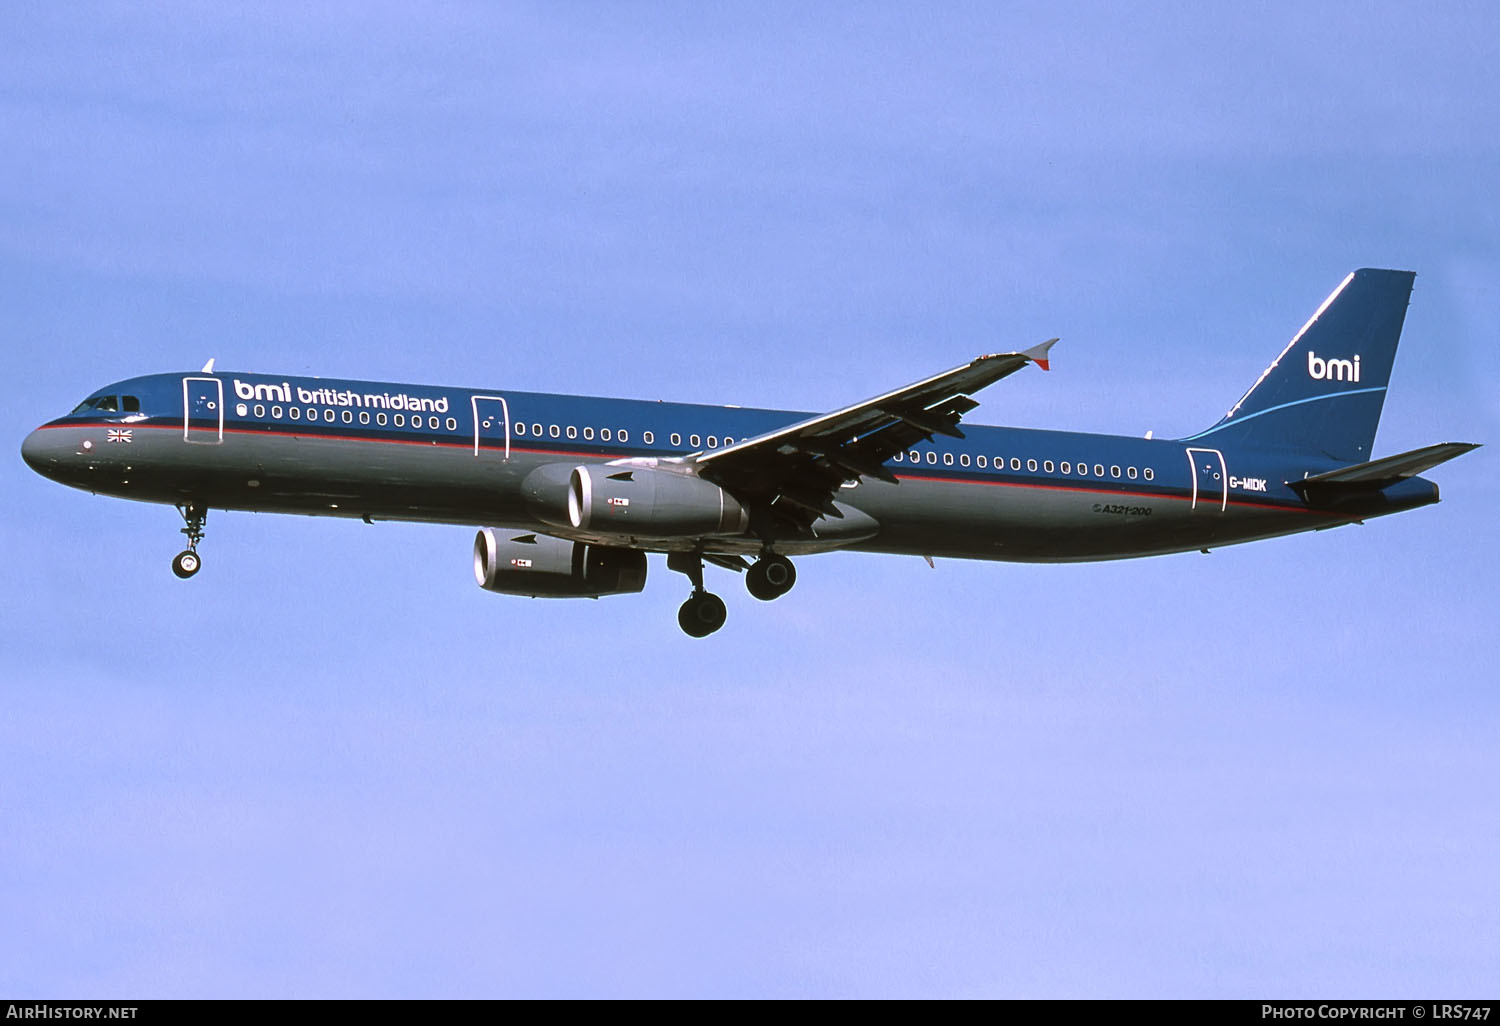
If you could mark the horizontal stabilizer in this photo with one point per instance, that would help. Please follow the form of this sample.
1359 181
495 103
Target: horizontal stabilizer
1386 470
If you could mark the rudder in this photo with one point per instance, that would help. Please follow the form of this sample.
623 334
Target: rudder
1327 388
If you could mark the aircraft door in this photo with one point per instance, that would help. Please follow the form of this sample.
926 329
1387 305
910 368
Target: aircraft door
491 426
203 410
1210 480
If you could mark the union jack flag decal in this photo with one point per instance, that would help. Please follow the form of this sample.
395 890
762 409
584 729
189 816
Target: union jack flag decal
118 436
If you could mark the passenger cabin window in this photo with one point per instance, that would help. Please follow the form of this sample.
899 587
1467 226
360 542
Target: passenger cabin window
572 431
647 437
676 438
588 434
981 461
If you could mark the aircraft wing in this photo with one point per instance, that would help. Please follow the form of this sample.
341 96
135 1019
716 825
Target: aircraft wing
796 471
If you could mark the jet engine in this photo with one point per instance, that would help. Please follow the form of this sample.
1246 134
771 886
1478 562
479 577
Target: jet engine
540 566
649 503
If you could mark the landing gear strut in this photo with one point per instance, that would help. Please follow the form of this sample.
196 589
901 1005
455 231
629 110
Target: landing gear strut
703 612
771 577
187 562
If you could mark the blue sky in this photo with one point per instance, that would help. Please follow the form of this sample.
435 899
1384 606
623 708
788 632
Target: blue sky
331 766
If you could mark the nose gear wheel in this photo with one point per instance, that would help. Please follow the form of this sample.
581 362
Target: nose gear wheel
187 562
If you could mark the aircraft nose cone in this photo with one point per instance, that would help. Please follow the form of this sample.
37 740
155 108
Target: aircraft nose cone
38 452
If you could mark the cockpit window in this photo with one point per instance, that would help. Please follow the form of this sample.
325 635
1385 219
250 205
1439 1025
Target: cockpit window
101 403
131 404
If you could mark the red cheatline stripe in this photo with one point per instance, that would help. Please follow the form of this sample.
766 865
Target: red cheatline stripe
468 445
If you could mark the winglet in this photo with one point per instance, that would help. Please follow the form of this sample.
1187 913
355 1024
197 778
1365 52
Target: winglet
1038 354
208 368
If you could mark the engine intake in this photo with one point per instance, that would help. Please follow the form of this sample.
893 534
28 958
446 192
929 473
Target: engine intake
540 566
643 502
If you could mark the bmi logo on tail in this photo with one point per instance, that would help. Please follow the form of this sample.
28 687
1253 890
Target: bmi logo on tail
1320 369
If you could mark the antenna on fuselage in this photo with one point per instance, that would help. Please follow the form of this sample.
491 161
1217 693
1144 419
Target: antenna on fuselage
208 368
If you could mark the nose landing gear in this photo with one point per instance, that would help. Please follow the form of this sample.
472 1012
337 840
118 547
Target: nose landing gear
187 562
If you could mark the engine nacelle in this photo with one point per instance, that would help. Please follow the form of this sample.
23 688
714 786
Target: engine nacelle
540 566
650 503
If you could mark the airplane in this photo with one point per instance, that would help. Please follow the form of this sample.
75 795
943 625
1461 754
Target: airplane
571 493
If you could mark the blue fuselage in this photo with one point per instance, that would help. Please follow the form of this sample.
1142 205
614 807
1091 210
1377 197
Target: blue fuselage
457 455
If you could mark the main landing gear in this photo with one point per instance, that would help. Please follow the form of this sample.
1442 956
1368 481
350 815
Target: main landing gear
769 577
703 612
187 562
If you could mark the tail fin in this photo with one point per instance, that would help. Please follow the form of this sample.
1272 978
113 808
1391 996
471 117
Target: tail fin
1326 389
